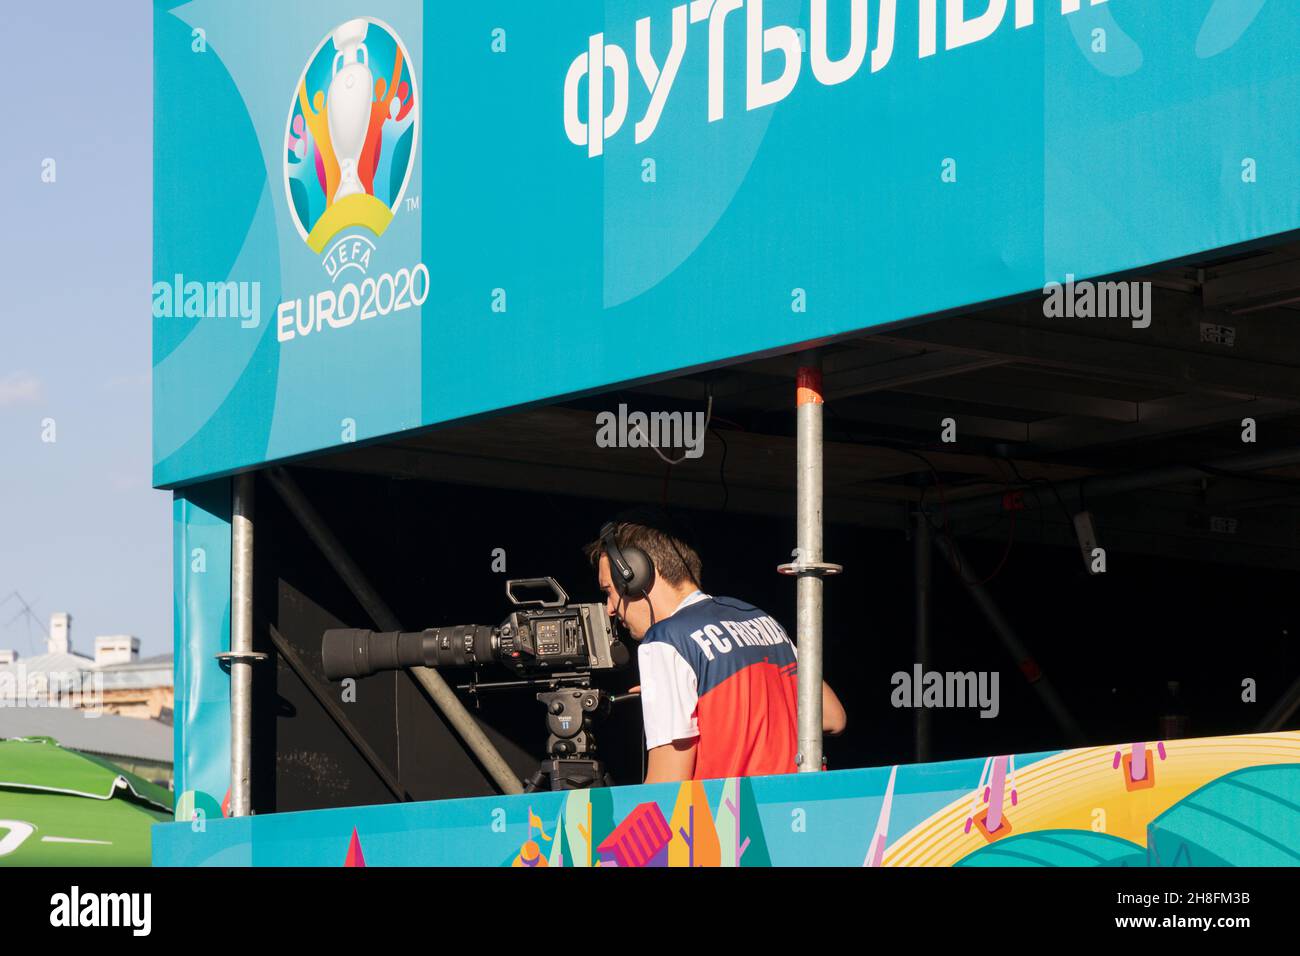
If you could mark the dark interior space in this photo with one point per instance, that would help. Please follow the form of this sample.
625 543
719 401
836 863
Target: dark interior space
1110 643
1201 541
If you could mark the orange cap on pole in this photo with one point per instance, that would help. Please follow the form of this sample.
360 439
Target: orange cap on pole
808 386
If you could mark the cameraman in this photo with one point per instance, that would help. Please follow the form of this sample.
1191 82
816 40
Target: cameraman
718 681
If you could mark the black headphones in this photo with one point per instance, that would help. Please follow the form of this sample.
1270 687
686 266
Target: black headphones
630 570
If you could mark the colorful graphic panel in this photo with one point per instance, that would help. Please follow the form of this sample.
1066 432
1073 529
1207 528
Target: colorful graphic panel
1224 801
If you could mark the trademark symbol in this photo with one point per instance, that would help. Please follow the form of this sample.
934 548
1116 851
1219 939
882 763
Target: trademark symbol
412 203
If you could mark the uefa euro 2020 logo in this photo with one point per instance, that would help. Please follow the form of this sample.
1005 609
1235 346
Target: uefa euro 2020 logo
351 136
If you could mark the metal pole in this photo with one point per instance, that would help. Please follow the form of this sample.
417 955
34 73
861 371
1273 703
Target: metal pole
1008 637
1281 712
241 645
808 592
438 690
1131 481
808 566
921 566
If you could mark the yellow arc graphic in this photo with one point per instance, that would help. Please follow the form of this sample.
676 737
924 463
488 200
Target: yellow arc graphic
360 209
1065 791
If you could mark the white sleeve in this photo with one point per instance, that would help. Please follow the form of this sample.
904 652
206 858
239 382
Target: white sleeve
668 695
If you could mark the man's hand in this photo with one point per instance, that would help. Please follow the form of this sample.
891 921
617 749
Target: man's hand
670 762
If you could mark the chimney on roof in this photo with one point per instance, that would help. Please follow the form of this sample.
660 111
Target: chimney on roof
60 641
116 649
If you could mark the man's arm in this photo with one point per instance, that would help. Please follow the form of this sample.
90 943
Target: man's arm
834 719
669 762
668 701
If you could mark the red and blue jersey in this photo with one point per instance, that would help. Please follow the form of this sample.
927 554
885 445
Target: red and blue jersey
723 671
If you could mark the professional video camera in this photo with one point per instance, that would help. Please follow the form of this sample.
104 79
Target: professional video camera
551 644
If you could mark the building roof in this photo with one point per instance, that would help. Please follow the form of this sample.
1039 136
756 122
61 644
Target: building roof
51 663
158 661
66 667
107 735
153 671
156 671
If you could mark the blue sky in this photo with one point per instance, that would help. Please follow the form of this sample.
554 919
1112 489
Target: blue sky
80 528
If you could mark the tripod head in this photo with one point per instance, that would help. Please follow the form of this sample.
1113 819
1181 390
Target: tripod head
570 762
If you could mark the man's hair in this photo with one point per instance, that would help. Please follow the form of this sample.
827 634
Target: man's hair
661 537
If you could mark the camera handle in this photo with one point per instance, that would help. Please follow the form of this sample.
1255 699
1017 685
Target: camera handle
560 596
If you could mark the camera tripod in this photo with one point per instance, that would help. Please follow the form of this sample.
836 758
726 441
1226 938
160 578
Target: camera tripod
570 764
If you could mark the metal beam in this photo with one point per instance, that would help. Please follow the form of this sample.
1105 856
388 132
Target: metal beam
1055 401
501 457
1154 525
1133 481
912 415
552 450
704 491
1282 711
1024 660
859 374
1162 417
1261 286
327 701
1183 365
438 690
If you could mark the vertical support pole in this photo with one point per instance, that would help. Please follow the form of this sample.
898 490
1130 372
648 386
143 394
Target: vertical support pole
921 567
241 645
808 593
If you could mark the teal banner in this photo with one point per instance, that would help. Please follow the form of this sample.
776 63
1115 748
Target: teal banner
201 558
376 217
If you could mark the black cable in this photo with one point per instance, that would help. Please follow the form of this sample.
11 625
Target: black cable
1042 516
722 470
644 742
1069 515
1038 501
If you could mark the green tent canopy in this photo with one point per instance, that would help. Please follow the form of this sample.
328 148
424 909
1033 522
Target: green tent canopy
62 807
